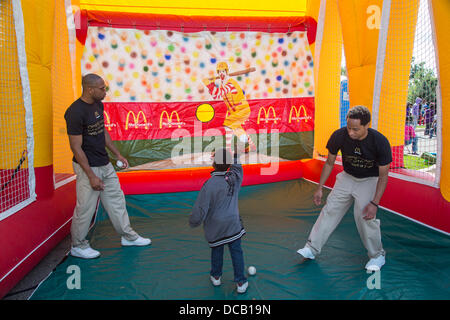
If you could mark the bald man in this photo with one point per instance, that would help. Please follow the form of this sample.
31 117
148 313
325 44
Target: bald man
96 177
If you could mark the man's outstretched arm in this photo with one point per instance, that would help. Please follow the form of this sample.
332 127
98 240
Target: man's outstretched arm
326 171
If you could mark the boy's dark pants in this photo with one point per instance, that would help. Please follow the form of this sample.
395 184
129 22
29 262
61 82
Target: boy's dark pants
237 257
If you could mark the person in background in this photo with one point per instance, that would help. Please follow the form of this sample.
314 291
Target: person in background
416 111
428 116
433 118
410 135
408 109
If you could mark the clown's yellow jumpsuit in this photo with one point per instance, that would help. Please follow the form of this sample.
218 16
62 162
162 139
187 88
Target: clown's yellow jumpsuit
237 106
238 109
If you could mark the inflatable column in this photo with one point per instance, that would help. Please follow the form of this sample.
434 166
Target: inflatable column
327 66
394 63
38 20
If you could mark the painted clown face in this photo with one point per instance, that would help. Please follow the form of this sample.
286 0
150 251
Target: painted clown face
222 73
222 70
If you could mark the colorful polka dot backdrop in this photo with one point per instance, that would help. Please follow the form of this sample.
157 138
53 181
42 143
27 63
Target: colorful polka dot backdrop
165 66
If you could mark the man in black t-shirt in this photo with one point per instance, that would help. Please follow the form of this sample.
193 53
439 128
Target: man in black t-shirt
96 176
366 155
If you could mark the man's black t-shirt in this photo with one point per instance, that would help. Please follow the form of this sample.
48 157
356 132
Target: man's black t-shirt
361 158
87 120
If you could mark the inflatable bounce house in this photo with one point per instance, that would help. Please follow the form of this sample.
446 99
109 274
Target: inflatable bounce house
285 60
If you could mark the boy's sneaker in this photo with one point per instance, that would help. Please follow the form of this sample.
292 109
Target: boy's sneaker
375 264
306 253
86 253
215 281
242 287
138 242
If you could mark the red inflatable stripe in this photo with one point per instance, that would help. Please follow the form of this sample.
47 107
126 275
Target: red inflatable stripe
146 21
192 179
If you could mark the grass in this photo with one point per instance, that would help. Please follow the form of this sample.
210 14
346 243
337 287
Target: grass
414 163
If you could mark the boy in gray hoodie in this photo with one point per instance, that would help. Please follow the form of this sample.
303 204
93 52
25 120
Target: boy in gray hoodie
217 208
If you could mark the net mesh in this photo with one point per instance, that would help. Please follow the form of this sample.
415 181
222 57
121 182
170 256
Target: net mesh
418 150
423 82
14 188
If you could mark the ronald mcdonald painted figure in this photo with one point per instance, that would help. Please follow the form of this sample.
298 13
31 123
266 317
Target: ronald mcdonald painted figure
237 106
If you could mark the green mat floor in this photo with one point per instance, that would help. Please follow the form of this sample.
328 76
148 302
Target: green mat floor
278 218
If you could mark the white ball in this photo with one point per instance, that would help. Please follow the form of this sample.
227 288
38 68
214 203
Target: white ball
119 164
251 270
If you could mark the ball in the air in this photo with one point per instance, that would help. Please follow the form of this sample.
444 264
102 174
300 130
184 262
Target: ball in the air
251 270
119 164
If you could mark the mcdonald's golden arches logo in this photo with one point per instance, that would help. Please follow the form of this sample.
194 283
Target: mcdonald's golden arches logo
136 123
108 123
297 114
267 114
170 119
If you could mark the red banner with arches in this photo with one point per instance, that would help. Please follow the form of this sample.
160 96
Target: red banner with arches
142 121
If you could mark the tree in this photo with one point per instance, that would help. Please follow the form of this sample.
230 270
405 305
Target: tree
422 83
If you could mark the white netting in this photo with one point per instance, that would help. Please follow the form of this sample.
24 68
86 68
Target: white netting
407 114
14 173
420 152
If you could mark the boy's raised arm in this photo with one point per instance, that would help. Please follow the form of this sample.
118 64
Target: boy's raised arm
236 167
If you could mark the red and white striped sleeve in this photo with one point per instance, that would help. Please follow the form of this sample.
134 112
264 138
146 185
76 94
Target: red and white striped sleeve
222 91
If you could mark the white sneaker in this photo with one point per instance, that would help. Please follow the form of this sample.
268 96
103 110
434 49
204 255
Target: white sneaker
242 288
138 242
306 253
375 264
215 282
86 253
